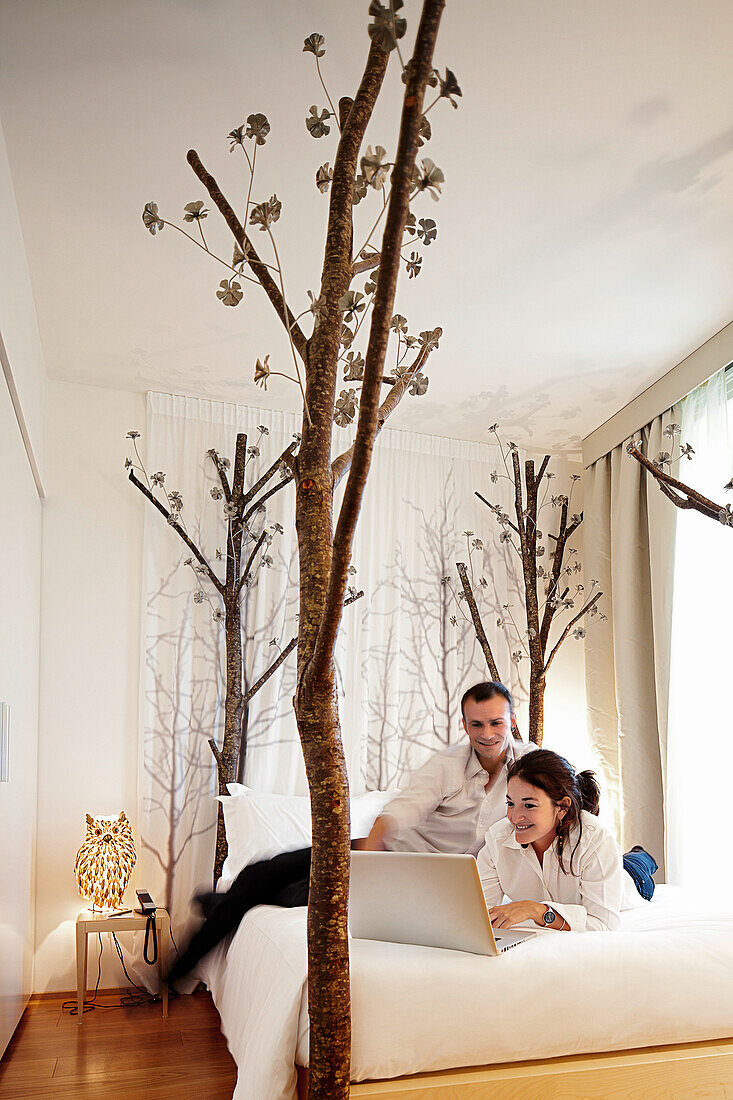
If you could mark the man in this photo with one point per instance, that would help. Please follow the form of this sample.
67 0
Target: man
451 801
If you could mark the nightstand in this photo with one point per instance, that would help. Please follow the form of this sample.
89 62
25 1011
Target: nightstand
88 922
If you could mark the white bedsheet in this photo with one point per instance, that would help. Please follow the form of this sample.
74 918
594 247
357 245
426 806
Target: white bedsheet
664 977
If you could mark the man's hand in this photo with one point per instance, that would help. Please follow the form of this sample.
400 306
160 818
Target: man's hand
515 912
381 830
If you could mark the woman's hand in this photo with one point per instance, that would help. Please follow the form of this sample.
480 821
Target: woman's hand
515 912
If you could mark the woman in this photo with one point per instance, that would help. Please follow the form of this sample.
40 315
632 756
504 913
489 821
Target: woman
559 865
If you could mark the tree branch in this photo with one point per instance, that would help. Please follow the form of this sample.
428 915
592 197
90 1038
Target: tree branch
223 479
540 473
179 530
217 755
477 624
266 496
366 263
273 668
491 507
259 270
418 72
342 464
254 489
667 483
563 534
569 627
243 579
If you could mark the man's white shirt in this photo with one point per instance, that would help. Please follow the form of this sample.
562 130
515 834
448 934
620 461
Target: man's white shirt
589 898
446 806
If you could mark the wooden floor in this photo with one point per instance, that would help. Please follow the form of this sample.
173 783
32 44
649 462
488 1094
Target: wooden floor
127 1052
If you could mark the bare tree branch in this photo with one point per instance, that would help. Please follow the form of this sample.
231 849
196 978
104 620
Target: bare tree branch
273 668
217 755
365 263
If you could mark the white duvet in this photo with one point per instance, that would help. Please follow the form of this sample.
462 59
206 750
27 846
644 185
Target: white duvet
664 977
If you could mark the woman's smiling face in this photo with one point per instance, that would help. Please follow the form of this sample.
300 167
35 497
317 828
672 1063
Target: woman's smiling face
532 812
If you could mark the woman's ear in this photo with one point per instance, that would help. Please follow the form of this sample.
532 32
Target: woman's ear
564 805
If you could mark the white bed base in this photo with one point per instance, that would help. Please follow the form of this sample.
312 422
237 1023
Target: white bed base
700 1070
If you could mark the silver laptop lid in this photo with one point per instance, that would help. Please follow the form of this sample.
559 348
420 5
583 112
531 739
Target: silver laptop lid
417 897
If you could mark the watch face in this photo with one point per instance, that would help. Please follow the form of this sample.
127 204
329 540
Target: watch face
549 917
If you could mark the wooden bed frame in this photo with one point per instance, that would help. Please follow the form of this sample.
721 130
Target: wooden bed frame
655 1073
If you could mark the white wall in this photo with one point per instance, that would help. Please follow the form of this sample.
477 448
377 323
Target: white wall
22 397
92 534
20 568
18 323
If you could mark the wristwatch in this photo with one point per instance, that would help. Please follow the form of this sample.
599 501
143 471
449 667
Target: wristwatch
549 916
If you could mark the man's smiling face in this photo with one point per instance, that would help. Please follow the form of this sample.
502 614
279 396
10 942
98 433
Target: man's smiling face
489 727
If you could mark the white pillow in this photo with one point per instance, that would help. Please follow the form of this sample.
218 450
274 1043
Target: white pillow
260 826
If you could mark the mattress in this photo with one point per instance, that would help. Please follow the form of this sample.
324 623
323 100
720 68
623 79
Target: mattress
664 977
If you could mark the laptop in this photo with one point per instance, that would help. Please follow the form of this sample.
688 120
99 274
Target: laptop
434 900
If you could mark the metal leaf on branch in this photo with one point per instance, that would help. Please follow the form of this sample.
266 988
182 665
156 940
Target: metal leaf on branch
413 265
317 122
354 369
428 177
387 27
151 219
345 408
427 231
262 372
419 384
314 44
373 167
230 292
449 87
195 211
324 175
266 214
257 128
351 303
240 257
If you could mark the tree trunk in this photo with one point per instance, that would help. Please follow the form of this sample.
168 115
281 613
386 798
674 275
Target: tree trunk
536 709
328 947
227 760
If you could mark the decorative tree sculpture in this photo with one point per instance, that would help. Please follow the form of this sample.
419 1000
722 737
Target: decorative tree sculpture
247 542
682 495
324 552
524 536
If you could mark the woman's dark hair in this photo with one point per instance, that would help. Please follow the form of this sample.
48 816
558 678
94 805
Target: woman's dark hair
557 778
488 690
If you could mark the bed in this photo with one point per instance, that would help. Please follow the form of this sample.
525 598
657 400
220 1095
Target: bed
561 1015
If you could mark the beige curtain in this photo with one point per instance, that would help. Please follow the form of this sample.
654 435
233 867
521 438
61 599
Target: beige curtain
629 538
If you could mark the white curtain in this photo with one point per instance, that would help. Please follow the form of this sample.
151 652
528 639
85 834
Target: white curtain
629 549
402 663
700 750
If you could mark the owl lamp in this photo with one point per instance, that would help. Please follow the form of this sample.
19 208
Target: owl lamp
105 861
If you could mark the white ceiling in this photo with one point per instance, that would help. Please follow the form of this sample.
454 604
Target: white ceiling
585 237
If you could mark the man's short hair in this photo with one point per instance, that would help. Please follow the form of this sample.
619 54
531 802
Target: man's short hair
487 690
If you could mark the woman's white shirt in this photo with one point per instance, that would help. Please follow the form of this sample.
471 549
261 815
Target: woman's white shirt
589 898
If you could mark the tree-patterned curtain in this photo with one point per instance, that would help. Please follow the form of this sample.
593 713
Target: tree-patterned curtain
406 651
